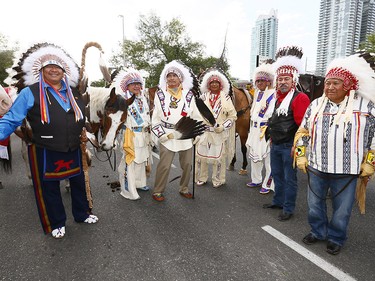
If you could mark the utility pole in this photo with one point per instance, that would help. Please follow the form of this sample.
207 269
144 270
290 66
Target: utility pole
123 38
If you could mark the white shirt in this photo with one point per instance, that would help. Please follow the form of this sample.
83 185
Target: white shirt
336 147
166 112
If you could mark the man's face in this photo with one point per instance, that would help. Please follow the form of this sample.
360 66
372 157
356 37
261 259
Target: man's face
284 83
334 90
214 86
53 74
172 80
135 88
262 84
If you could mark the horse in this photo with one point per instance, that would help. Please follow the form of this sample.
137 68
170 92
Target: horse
242 103
311 85
107 113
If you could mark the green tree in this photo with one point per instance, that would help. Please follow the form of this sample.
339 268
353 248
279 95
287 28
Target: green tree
159 44
369 45
6 57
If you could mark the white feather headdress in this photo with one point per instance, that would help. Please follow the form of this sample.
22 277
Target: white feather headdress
358 68
28 71
357 72
264 72
215 74
126 77
37 56
182 71
289 62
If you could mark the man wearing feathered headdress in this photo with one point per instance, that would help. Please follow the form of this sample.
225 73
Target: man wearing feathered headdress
289 106
55 111
217 142
174 100
338 132
136 145
259 147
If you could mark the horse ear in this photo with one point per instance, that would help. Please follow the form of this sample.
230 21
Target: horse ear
124 104
112 97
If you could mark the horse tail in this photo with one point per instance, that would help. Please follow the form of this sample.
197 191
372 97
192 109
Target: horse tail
83 80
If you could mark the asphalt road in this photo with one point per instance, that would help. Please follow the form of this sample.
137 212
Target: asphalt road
222 234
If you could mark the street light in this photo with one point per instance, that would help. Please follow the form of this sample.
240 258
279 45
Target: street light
123 37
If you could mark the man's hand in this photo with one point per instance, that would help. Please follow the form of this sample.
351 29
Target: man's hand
83 136
300 158
165 137
302 163
367 170
368 165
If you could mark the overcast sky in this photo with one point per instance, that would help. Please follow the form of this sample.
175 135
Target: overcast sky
71 24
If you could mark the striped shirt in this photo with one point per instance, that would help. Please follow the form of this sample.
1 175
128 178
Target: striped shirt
336 147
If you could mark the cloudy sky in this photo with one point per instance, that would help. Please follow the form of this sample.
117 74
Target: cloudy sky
70 24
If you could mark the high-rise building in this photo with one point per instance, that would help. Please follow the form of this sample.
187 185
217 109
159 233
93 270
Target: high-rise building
368 20
263 39
339 30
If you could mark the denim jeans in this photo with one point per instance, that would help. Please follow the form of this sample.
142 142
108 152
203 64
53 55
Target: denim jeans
285 177
342 203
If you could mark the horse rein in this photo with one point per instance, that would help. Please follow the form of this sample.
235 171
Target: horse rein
243 110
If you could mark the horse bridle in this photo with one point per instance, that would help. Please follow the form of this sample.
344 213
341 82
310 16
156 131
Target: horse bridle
243 110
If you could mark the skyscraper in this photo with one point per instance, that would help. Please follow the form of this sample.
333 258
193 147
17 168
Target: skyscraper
339 30
263 39
368 20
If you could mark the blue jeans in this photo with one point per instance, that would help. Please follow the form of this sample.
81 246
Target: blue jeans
342 204
285 177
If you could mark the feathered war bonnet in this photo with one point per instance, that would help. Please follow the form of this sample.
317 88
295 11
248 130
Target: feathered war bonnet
189 82
214 74
289 62
265 72
358 74
126 77
184 73
28 71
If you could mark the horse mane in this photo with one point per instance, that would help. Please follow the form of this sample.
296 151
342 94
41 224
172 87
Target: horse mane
98 99
241 111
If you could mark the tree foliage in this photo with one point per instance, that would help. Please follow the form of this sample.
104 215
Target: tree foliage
159 44
6 58
369 45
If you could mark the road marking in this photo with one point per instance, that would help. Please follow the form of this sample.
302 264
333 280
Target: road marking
157 157
323 264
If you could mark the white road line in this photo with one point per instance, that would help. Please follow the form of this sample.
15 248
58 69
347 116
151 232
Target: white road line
157 157
323 264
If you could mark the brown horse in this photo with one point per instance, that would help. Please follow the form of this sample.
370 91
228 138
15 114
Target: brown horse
242 103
